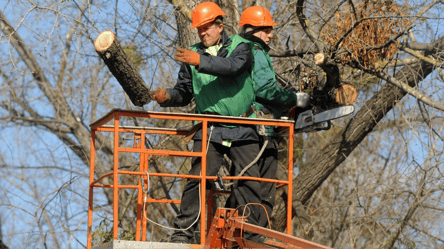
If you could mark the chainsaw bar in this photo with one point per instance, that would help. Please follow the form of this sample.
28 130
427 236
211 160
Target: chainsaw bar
307 118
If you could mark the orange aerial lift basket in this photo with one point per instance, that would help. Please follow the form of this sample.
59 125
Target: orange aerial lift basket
227 226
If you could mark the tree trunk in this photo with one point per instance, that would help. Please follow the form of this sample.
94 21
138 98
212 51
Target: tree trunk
2 246
187 37
109 49
331 156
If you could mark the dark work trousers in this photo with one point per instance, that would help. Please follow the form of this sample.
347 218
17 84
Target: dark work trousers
268 164
241 153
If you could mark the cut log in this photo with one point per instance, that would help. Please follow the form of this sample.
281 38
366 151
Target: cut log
109 49
331 70
333 92
319 59
346 94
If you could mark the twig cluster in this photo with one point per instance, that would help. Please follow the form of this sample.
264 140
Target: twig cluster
366 31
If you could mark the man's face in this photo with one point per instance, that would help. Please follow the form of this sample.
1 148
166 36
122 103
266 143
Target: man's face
209 34
265 34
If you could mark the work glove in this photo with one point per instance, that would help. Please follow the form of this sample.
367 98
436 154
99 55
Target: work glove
187 56
302 99
160 95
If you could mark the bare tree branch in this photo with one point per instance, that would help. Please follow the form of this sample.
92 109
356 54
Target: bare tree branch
303 21
333 154
410 90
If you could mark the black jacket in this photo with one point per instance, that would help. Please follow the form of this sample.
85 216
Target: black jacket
241 59
181 95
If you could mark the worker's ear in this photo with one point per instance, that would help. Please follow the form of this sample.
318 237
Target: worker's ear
220 27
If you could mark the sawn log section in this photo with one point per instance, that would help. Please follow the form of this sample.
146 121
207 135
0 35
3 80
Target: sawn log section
109 49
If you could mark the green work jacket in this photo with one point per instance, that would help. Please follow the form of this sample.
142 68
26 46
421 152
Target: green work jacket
228 96
270 98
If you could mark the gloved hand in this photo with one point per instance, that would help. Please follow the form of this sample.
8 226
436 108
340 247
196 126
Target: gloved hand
160 95
187 56
302 99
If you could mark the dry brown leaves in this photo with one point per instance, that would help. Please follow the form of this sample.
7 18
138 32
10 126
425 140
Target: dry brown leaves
379 22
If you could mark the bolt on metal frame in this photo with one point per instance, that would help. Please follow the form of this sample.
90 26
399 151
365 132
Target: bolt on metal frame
139 147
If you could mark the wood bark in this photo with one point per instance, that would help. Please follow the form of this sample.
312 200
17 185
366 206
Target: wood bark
325 94
319 168
183 9
2 245
332 92
109 49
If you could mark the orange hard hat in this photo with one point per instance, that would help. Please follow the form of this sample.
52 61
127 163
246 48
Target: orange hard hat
256 16
204 13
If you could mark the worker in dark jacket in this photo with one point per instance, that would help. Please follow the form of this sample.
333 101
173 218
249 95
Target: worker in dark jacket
217 73
257 26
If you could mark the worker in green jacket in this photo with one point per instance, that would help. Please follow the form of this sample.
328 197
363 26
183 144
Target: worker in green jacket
216 72
257 26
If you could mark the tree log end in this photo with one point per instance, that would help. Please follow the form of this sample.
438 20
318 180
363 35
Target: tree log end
104 41
319 58
346 94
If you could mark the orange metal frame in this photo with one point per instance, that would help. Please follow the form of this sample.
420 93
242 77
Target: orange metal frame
139 147
228 226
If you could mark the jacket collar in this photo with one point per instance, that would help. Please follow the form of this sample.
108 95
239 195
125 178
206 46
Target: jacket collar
256 40
225 40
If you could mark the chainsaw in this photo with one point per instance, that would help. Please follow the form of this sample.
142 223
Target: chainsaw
314 120
321 110
326 103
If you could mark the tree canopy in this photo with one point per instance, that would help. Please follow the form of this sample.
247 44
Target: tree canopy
374 180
